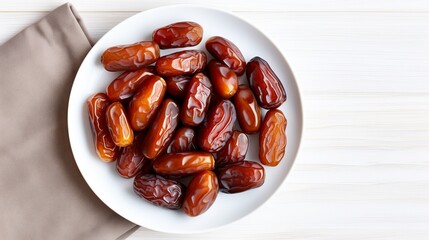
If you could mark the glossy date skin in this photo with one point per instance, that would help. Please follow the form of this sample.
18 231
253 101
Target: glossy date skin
248 110
106 149
159 191
119 128
217 128
182 164
130 57
131 160
177 86
227 52
126 84
143 105
240 176
179 34
201 193
183 141
272 138
234 151
224 80
160 133
197 100
265 84
186 62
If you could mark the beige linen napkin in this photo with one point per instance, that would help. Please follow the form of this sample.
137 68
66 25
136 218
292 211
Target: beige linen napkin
42 193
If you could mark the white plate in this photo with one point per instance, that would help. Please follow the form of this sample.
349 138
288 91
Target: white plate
116 192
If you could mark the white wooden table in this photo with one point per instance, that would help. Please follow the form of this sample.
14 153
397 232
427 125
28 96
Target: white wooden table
363 68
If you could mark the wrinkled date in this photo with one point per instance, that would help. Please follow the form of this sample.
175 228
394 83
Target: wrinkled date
105 147
130 57
183 141
201 194
224 80
131 159
265 84
180 34
185 163
240 176
247 108
217 128
185 62
143 105
234 151
177 86
124 86
196 101
119 128
159 191
272 138
160 133
227 52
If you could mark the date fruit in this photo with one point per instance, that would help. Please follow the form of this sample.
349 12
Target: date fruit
130 57
272 138
124 86
240 176
177 86
225 81
185 62
179 34
234 151
201 193
159 191
217 128
131 159
160 133
145 102
106 149
197 100
248 111
183 141
185 163
265 84
227 52
119 128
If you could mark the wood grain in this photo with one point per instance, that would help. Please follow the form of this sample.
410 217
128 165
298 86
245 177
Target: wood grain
363 69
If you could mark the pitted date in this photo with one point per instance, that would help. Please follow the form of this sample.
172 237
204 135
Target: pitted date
119 128
225 81
159 191
196 101
177 86
248 111
183 141
201 193
185 163
272 138
185 62
130 57
265 84
124 86
240 176
160 134
131 160
234 151
227 52
217 128
143 105
106 149
179 34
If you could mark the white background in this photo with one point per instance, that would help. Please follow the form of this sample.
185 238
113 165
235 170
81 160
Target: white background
363 69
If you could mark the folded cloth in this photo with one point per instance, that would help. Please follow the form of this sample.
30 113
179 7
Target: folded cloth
42 193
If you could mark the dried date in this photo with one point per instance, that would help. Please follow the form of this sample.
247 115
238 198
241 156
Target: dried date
119 128
126 84
272 138
240 176
179 34
227 52
201 193
197 100
185 62
185 163
248 110
234 151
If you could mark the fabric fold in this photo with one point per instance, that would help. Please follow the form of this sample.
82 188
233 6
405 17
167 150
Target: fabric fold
42 193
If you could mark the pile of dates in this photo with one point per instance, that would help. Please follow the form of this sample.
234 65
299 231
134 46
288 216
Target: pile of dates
166 118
